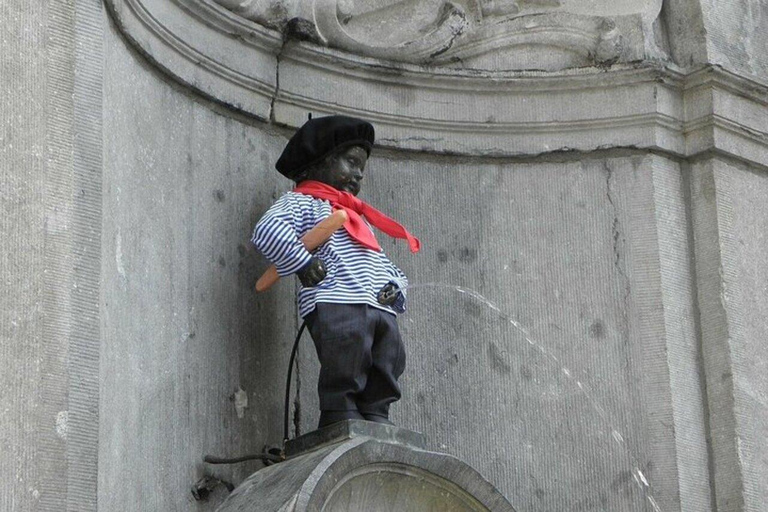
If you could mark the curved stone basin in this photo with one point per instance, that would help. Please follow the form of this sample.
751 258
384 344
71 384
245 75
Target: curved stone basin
362 466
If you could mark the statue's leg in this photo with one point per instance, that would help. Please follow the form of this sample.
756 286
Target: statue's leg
388 363
343 336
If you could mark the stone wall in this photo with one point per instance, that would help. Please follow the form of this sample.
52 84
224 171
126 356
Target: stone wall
736 36
729 216
192 363
50 224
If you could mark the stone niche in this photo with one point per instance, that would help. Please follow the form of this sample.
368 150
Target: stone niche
518 79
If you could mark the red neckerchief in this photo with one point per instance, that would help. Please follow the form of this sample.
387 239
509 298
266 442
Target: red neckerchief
355 226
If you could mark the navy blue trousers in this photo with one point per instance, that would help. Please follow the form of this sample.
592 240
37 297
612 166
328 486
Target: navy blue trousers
361 357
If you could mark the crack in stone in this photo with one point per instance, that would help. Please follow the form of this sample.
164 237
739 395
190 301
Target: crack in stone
616 222
456 33
618 240
411 139
273 100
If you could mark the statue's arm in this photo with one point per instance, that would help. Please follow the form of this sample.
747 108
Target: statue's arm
276 237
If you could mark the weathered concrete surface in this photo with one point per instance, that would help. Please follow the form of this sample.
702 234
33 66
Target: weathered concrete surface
737 35
727 34
730 232
377 471
685 33
50 218
192 362
22 236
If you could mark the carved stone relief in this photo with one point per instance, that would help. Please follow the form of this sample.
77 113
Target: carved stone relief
270 13
475 34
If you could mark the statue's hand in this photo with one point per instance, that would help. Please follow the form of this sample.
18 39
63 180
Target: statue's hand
388 294
312 273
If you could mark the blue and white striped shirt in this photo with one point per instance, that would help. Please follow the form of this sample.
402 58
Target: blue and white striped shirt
355 274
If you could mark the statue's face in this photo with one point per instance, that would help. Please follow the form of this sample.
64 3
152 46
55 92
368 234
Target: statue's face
343 170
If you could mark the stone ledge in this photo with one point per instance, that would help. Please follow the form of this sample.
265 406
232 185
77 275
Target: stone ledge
352 429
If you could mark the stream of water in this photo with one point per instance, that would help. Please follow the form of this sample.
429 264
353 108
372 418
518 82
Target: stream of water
615 435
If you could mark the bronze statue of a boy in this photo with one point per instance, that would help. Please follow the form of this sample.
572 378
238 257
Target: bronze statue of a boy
350 292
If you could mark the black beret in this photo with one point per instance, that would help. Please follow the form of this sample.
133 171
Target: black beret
318 138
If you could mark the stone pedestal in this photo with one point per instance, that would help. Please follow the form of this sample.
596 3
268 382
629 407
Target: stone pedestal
358 465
